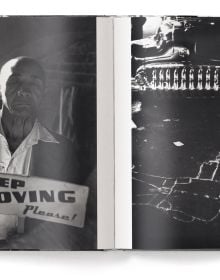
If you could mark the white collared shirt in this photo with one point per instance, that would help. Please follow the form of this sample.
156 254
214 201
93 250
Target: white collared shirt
19 162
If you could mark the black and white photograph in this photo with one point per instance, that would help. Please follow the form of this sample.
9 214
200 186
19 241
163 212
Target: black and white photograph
109 139
48 133
175 132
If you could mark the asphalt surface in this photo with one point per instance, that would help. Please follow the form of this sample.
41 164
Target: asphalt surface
175 133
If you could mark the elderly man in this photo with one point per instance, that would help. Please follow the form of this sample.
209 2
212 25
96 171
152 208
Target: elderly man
26 146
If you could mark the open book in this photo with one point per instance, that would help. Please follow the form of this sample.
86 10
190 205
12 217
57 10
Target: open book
109 133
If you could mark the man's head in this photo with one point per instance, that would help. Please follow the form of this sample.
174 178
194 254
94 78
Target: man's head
22 86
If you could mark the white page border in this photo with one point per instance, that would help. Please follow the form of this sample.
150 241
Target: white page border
105 134
122 91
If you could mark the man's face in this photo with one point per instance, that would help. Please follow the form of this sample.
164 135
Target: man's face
22 87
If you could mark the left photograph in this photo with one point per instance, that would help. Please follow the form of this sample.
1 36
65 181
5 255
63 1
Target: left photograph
48 178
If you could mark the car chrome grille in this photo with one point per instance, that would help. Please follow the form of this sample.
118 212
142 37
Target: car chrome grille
172 77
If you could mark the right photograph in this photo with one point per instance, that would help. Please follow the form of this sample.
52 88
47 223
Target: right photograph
175 62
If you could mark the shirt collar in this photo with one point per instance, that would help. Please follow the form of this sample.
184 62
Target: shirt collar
38 133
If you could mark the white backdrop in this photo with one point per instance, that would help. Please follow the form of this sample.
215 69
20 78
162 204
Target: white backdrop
109 265
113 7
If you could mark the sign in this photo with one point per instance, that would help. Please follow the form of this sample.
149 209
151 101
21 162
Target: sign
43 199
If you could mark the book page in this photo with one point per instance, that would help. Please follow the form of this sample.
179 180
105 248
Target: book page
105 133
175 107
48 143
114 133
122 117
